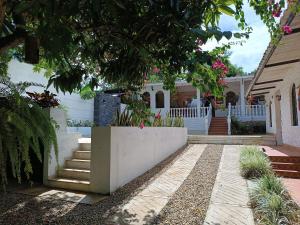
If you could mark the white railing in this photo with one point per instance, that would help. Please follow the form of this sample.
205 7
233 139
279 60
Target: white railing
249 111
189 112
208 119
229 119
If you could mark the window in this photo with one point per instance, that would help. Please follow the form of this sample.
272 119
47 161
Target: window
160 102
270 114
294 106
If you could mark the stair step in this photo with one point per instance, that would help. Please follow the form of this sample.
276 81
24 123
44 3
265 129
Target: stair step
69 184
288 173
78 164
74 174
286 159
82 154
286 166
85 146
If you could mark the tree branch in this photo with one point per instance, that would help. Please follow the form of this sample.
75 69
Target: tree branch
2 12
12 40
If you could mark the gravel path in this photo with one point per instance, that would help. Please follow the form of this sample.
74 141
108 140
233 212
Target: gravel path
187 206
190 202
23 209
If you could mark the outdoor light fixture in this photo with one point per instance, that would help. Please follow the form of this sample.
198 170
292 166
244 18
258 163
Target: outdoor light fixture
152 88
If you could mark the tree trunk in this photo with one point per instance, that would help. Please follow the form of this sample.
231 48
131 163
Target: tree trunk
2 12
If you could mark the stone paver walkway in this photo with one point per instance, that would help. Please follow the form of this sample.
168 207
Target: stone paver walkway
142 208
229 200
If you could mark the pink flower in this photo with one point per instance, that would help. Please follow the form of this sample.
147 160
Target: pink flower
158 116
218 64
142 125
287 29
145 76
221 82
277 10
156 70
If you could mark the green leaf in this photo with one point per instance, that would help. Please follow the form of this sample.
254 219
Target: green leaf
227 34
226 10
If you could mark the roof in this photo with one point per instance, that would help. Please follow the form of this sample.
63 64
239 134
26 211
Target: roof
184 83
278 58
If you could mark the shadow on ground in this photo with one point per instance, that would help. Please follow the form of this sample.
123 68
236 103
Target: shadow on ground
24 208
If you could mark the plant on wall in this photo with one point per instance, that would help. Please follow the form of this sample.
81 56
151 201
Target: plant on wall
123 119
45 99
25 126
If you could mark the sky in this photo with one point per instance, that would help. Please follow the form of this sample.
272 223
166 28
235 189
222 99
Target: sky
250 53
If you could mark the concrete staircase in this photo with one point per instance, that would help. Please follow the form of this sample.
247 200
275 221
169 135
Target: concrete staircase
286 166
232 139
218 126
75 175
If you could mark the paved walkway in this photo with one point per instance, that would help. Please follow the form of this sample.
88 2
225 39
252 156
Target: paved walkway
229 200
142 208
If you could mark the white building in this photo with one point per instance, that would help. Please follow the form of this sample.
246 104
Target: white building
278 79
189 103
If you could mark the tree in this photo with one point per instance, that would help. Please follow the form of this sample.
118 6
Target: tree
119 42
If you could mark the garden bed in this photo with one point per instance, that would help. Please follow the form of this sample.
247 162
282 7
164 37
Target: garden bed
270 201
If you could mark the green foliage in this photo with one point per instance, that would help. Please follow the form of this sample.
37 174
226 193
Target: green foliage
118 42
178 122
140 112
254 163
168 121
24 126
123 119
248 128
80 123
272 204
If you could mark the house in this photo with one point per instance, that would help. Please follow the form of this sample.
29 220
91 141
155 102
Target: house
205 114
278 80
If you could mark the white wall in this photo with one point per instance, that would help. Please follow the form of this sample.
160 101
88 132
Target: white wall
67 143
120 154
77 108
290 134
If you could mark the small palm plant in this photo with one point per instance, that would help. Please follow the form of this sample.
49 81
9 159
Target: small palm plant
25 126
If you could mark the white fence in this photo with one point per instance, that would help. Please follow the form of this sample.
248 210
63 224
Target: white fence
189 112
249 113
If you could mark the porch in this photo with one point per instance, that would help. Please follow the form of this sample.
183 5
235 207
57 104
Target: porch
197 110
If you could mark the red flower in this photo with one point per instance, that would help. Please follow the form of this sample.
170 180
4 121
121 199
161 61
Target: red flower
221 82
142 125
158 116
277 10
156 70
218 64
287 29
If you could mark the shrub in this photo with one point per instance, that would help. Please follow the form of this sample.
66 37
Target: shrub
247 128
253 163
272 202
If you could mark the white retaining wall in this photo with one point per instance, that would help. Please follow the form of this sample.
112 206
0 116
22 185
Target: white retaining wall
120 154
67 143
77 108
